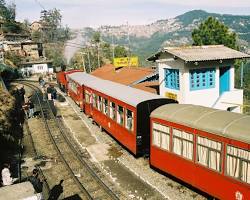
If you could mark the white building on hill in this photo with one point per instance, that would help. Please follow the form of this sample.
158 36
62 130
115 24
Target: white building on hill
200 75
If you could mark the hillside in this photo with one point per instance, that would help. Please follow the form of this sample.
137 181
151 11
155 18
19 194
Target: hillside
147 39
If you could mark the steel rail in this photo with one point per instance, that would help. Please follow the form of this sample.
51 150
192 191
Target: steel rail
81 187
101 184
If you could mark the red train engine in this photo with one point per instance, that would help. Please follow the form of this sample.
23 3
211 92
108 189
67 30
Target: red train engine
61 78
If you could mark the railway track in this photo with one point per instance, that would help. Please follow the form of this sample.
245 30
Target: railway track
85 176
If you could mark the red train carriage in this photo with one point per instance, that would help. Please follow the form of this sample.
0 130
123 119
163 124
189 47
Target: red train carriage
61 78
207 148
121 110
75 88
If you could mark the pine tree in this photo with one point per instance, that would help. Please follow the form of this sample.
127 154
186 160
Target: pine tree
213 32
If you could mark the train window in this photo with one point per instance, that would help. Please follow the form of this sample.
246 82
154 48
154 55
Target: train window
161 136
112 110
105 106
73 86
99 103
183 143
94 100
238 163
120 113
129 120
87 96
209 153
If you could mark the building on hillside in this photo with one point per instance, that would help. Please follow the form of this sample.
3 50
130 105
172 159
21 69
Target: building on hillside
37 67
28 50
139 77
32 50
14 37
35 26
201 75
39 26
11 46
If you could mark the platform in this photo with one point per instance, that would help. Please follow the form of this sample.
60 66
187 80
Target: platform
18 191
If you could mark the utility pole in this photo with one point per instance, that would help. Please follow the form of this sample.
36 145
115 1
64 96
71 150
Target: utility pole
113 47
83 63
98 55
241 74
89 61
129 54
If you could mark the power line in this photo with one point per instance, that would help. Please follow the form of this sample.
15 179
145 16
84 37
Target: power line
40 4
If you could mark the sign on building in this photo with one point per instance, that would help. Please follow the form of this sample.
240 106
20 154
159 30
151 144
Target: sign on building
126 62
171 95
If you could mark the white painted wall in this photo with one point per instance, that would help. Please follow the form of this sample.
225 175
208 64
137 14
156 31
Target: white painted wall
40 68
205 97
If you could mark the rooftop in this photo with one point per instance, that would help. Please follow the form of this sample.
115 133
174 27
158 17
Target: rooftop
201 53
149 86
131 76
124 75
220 122
129 95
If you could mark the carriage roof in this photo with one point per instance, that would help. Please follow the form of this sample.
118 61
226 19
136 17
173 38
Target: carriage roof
223 123
129 95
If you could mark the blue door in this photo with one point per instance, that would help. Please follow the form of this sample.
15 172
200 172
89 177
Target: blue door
224 79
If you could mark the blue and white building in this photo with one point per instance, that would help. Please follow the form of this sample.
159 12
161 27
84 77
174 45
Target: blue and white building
200 75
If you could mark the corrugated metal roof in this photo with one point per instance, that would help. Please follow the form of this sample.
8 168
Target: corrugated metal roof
205 53
201 53
223 123
124 93
124 75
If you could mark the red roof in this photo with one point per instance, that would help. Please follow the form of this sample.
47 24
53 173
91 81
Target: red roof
126 76
149 86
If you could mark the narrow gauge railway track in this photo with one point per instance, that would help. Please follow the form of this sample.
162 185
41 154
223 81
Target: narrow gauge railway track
89 183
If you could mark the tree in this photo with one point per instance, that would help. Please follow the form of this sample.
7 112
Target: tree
121 51
54 52
13 57
51 21
7 12
96 39
212 32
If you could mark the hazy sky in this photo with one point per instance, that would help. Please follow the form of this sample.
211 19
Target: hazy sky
81 13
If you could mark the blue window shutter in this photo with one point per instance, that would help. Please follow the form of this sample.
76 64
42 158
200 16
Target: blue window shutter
202 79
172 79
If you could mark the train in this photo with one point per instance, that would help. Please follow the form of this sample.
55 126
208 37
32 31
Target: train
61 78
206 148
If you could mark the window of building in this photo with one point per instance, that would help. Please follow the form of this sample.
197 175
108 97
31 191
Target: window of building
129 120
120 117
99 103
105 106
161 136
202 79
40 67
238 163
209 153
183 143
172 79
112 110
